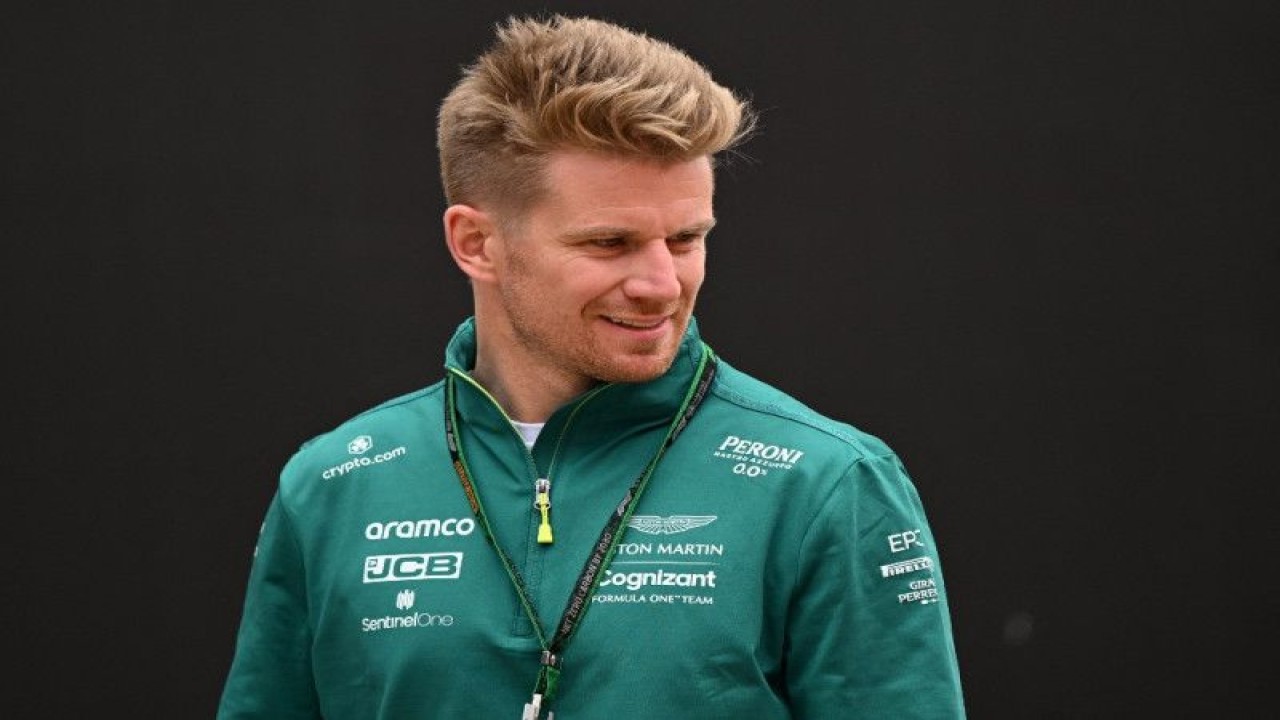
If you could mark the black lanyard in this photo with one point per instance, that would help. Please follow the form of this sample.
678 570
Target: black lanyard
601 552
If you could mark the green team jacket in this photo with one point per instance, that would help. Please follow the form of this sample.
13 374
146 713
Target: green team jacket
779 565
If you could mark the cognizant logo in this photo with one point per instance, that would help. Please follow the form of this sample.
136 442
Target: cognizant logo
658 578
364 461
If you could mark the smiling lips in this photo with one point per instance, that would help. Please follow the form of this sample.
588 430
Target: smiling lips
637 324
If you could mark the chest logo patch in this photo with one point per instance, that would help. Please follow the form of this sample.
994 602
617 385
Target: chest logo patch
668 525
756 458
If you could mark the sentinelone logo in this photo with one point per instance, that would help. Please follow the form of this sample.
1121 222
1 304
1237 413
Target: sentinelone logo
404 601
359 446
397 622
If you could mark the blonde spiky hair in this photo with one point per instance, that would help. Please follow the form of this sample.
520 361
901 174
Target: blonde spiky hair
576 83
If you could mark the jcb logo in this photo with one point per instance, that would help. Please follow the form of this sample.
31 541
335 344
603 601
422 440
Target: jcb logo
418 566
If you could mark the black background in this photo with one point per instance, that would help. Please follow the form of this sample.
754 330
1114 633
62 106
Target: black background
1032 245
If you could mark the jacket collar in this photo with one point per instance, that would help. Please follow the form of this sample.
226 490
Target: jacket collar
600 413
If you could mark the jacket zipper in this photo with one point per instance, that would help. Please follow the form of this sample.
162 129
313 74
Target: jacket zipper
541 485
542 502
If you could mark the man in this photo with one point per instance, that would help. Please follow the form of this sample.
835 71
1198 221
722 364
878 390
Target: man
591 515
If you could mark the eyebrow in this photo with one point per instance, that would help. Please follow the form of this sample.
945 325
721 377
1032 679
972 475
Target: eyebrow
599 231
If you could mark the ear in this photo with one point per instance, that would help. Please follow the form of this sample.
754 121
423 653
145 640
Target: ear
471 236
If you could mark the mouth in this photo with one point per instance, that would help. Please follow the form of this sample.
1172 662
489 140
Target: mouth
636 323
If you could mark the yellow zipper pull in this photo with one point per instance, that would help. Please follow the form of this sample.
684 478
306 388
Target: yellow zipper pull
542 501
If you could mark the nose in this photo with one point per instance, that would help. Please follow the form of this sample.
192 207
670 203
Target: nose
652 274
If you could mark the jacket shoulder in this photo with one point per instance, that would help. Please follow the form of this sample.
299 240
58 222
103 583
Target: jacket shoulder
775 406
382 413
389 424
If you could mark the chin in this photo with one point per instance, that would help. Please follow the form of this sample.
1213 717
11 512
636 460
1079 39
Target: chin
636 369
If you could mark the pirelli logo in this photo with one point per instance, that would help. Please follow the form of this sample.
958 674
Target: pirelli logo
906 566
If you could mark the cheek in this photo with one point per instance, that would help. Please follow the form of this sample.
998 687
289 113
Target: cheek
587 280
692 274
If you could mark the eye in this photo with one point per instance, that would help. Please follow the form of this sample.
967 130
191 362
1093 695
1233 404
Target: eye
608 242
684 240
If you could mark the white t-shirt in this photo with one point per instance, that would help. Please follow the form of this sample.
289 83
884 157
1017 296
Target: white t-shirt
528 431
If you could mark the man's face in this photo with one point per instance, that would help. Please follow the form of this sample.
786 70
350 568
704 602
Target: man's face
598 279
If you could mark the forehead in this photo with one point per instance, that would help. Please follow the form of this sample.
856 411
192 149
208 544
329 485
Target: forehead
585 187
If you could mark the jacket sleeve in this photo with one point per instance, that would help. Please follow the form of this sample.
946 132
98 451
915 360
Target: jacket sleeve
270 675
869 632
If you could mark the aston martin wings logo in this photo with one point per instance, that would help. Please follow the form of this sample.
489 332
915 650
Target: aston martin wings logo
669 525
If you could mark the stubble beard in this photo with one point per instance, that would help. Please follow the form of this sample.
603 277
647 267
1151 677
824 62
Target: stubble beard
580 353
569 347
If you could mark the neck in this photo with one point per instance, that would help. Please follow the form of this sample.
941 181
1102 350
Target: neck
529 400
526 390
